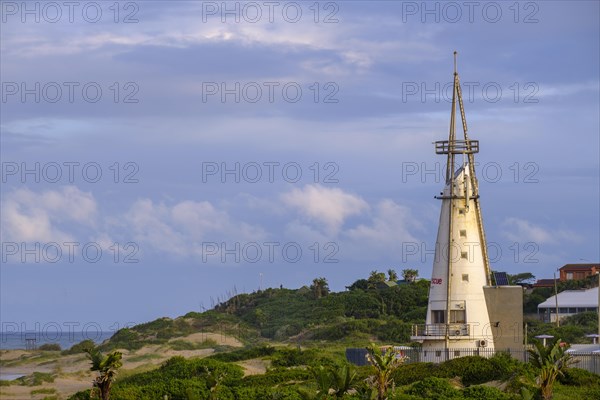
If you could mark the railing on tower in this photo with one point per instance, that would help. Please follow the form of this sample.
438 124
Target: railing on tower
455 329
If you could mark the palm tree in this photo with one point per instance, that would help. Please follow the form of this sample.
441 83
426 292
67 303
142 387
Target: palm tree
107 367
320 287
410 275
331 382
392 275
375 278
384 363
343 380
551 360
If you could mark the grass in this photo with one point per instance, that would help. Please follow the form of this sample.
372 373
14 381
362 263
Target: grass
38 357
180 345
43 391
35 379
143 357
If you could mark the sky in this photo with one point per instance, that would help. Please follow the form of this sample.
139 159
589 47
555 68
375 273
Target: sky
158 157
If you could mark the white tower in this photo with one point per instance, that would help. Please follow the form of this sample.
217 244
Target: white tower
457 315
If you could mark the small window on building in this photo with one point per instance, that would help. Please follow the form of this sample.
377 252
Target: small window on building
463 233
438 316
456 353
464 255
465 277
569 275
461 211
572 310
424 353
438 353
457 317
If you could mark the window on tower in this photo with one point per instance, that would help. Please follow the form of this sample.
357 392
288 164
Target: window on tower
438 316
463 233
457 316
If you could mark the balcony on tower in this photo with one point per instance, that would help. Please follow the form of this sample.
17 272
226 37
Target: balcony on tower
439 331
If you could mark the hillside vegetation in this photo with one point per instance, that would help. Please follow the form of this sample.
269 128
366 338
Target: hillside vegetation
290 344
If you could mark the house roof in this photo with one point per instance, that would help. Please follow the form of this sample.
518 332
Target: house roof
573 267
573 298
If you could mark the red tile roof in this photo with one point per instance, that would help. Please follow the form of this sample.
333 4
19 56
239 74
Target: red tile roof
578 267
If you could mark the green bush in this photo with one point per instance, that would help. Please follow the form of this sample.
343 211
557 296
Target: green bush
124 339
410 373
244 354
35 379
80 347
579 377
434 388
179 345
44 391
277 376
83 395
484 392
472 370
50 347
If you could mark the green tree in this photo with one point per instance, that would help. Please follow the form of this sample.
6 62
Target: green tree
214 380
410 275
392 275
107 367
331 381
552 361
523 277
384 364
320 287
343 379
374 278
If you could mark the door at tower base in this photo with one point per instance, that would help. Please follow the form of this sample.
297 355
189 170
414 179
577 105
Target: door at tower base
505 308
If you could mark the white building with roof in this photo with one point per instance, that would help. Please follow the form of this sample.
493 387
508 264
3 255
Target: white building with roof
569 302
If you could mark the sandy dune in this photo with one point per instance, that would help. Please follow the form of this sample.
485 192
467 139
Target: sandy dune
73 374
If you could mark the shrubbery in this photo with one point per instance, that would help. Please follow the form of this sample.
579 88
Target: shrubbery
50 347
434 388
244 354
80 347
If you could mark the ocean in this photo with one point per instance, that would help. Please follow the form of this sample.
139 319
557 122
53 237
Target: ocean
19 340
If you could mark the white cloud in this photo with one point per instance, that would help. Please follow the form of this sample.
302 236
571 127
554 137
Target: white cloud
329 207
523 231
391 226
28 216
182 228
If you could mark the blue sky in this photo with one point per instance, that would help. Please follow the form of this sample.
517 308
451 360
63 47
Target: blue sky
180 151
